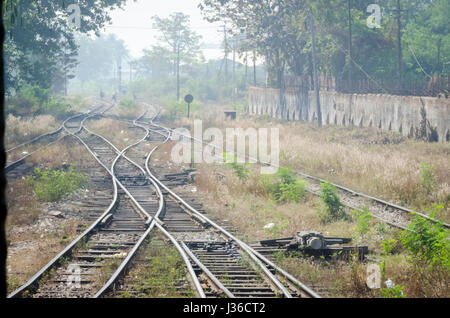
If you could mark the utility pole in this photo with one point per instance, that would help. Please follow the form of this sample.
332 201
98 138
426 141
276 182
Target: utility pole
246 68
254 67
316 80
131 72
226 52
120 74
399 46
234 69
178 72
350 57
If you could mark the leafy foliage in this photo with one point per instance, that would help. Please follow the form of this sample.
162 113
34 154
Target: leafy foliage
181 40
51 185
284 186
127 103
36 100
280 31
333 209
363 218
394 292
39 44
428 241
239 169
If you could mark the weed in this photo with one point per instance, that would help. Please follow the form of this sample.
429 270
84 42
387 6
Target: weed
52 185
292 192
381 228
284 187
427 179
363 218
13 283
334 209
240 170
394 292
427 241
127 103
65 240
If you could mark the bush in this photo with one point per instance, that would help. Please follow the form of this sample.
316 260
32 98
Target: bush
394 292
55 105
292 192
428 241
179 108
34 100
52 185
333 209
127 103
284 186
77 102
363 220
28 100
240 170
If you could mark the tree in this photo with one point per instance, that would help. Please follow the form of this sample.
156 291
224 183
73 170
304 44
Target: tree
94 57
278 30
270 27
38 33
177 34
155 63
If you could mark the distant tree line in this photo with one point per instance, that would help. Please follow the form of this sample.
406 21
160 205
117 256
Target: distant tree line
412 40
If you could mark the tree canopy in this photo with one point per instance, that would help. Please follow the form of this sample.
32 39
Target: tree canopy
279 31
40 40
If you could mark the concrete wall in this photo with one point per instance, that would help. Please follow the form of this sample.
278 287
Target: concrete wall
397 113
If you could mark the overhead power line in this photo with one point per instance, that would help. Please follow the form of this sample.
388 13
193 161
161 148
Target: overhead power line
417 61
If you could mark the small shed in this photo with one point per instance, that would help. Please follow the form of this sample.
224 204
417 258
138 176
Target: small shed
230 114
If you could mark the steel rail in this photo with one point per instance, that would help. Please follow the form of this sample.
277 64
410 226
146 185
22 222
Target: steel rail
313 192
37 138
66 251
20 161
61 127
119 153
249 249
208 273
241 244
154 221
352 192
122 267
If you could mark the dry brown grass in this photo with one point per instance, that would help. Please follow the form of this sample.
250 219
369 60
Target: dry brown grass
30 245
23 208
375 162
118 132
378 163
68 151
19 130
29 250
242 203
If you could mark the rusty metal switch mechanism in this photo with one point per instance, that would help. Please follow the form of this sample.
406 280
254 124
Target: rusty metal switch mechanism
316 244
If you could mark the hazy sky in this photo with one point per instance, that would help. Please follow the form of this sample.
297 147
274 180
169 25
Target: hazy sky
133 24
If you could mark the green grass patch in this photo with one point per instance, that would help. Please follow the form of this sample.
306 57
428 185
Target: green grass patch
52 185
284 186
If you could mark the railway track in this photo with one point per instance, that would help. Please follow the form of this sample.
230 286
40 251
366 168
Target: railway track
76 270
17 165
141 202
202 238
390 213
